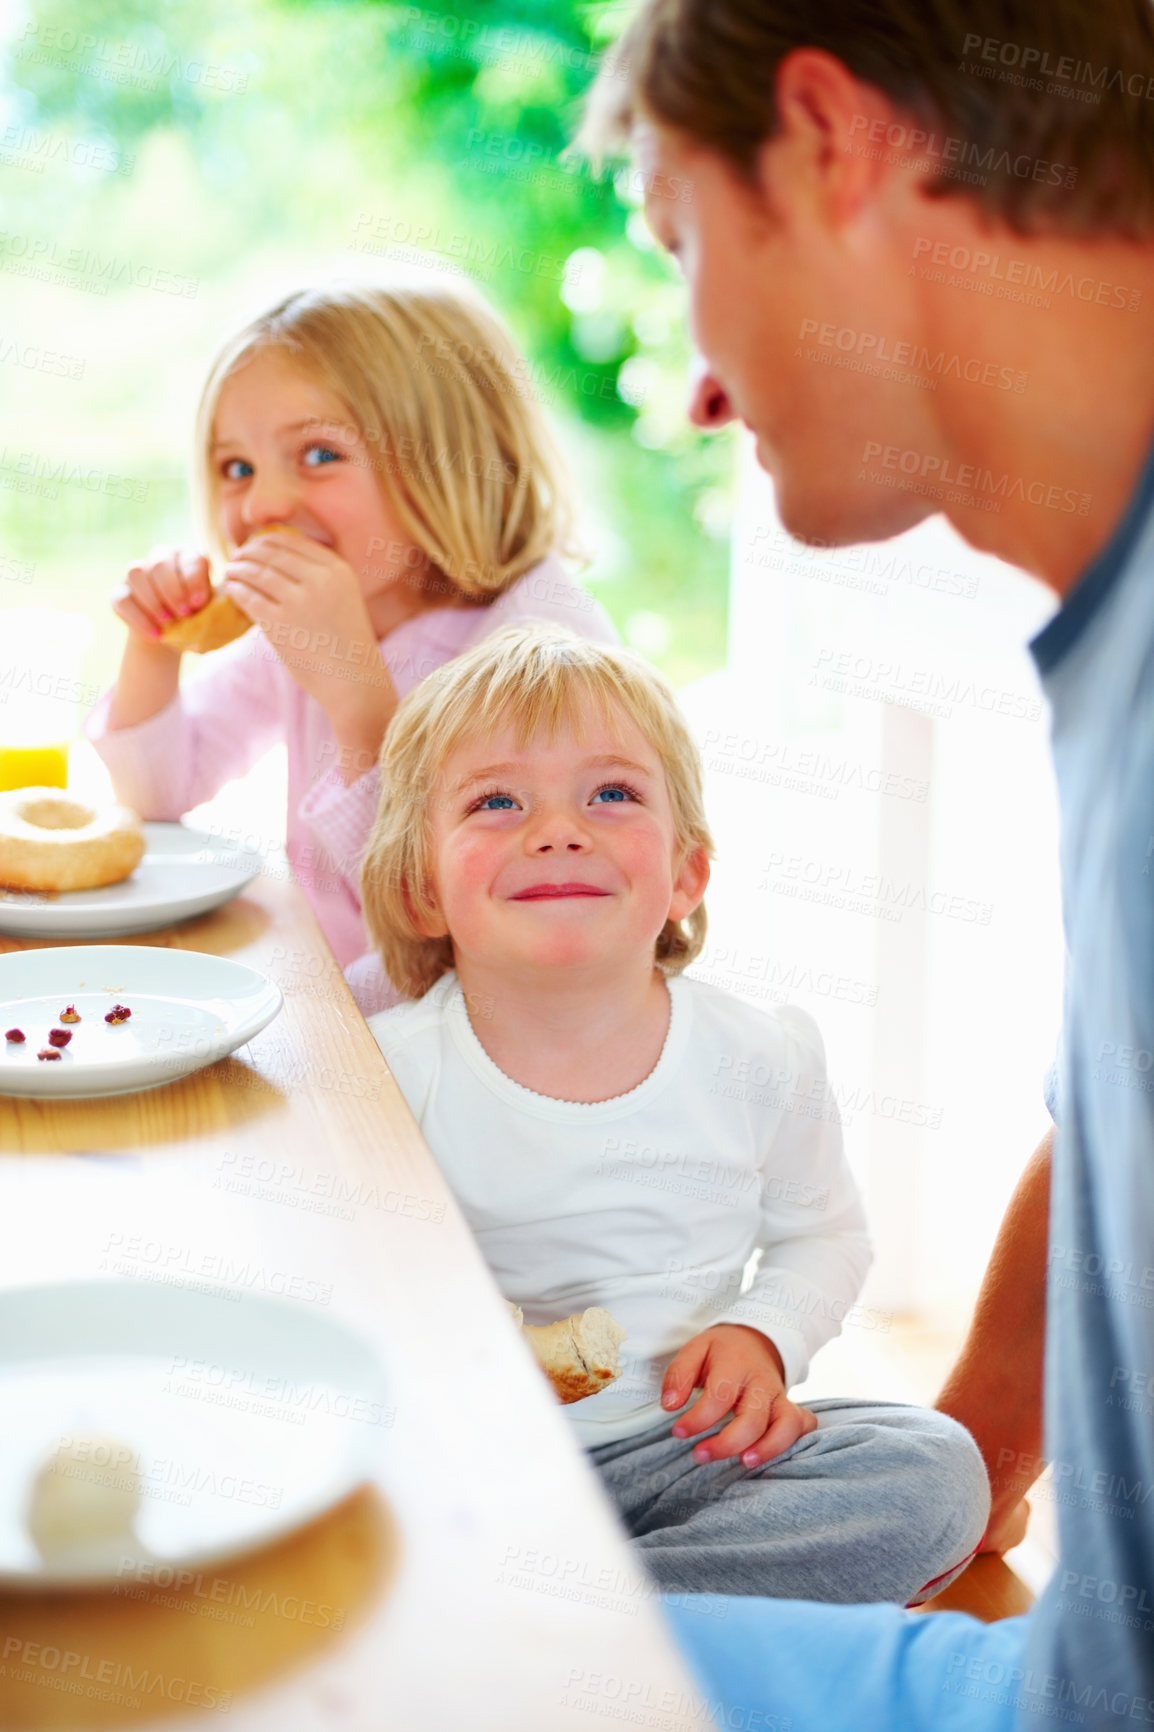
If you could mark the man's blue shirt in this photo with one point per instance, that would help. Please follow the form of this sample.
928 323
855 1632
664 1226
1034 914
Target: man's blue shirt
1085 1655
1091 1636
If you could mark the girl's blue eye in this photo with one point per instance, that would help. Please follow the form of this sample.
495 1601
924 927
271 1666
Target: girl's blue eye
615 792
496 803
316 455
232 468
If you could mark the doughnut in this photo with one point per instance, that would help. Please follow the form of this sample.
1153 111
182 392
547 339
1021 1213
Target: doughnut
51 842
219 621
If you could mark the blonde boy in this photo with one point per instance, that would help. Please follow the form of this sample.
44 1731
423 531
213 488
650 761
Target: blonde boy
534 882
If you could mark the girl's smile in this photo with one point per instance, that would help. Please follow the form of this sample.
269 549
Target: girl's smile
286 453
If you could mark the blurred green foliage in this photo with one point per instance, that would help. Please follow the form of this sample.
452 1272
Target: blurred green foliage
242 149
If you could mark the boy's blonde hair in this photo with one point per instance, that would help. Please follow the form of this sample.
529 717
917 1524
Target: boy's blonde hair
534 679
435 385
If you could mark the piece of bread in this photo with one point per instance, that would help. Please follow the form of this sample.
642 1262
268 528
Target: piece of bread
214 625
219 621
578 1354
84 1501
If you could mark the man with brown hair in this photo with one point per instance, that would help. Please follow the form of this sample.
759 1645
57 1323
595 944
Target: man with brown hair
894 179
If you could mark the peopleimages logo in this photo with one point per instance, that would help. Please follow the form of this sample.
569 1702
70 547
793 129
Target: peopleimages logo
1040 63
1017 276
965 152
978 485
876 346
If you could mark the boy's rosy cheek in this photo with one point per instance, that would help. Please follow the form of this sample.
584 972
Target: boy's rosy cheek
473 864
647 852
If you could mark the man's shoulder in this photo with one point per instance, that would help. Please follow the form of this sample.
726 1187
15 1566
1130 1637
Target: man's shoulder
1106 619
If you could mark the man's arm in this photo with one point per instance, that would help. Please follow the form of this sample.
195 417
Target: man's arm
995 1388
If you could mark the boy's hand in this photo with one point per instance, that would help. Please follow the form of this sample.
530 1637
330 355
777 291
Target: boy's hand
740 1369
170 584
1006 1532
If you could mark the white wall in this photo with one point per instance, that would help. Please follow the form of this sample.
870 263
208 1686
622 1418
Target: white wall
879 781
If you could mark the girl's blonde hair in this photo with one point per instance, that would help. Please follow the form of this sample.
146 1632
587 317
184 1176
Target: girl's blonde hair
534 679
435 385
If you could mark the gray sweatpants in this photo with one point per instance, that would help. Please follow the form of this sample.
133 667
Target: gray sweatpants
875 1504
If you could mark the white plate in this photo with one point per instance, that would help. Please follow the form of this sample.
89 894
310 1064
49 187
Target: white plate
184 872
238 1419
188 1010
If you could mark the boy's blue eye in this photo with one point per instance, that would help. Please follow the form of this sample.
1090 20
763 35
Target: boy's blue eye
316 455
236 469
615 791
496 803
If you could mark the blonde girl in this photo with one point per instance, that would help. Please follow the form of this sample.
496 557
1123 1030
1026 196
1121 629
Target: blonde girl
376 477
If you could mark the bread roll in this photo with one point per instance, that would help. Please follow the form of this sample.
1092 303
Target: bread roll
578 1354
219 621
84 1501
216 624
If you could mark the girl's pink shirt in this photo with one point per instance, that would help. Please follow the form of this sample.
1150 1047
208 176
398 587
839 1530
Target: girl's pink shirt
246 702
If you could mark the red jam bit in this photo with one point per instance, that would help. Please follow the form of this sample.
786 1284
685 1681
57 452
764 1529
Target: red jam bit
118 1013
60 1037
16 1036
70 1015
48 1052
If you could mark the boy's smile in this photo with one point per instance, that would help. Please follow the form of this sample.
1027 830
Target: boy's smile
544 892
559 854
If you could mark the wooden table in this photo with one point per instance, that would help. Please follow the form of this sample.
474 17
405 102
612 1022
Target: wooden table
481 1580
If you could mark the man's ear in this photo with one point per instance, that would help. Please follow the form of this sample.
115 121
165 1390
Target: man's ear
825 118
690 884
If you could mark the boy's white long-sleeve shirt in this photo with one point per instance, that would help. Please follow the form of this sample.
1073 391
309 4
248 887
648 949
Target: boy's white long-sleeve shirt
653 1203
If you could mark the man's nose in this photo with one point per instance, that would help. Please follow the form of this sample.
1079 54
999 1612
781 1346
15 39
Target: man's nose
709 404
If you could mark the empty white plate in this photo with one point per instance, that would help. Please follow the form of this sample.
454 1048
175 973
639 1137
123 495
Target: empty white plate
188 1010
198 1425
184 872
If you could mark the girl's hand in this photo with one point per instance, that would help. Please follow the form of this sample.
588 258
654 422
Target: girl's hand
740 1370
170 584
307 600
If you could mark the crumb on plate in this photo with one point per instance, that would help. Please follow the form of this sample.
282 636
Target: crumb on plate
48 1052
59 1036
16 1036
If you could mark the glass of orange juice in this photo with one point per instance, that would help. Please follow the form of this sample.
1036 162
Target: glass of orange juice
41 692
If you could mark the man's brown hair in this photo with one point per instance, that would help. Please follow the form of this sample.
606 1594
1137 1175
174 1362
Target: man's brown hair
1041 111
